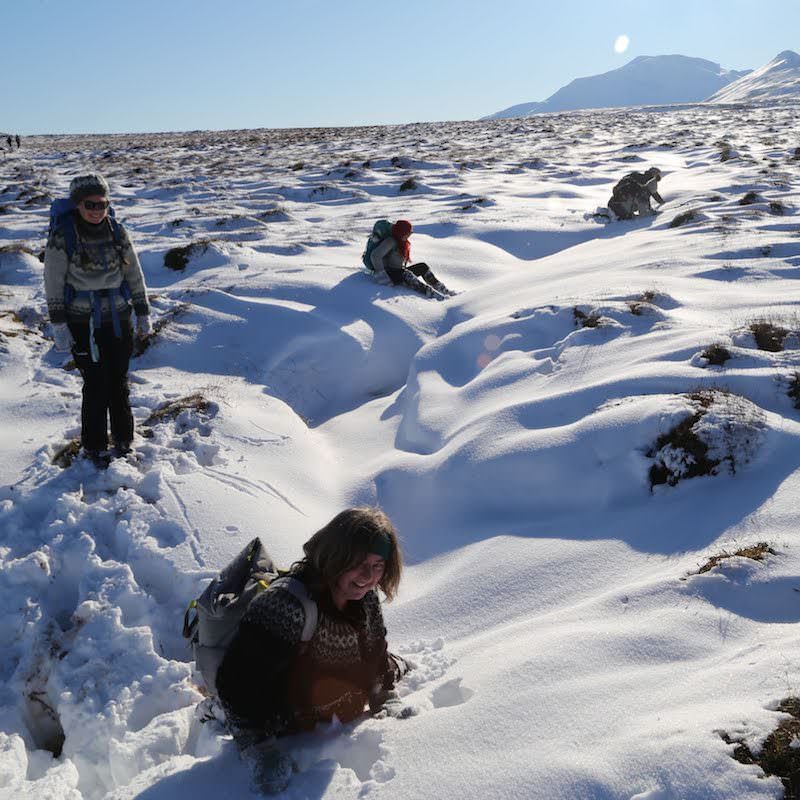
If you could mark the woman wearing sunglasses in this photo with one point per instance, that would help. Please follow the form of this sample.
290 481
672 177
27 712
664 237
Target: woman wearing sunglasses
92 277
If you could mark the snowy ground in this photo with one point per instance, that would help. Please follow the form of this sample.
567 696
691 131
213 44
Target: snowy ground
566 647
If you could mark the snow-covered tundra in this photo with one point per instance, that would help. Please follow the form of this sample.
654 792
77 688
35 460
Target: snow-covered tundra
570 449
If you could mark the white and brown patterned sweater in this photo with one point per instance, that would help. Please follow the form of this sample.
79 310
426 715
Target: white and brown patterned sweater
98 265
271 684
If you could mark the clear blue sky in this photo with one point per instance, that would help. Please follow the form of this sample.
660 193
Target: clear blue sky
156 65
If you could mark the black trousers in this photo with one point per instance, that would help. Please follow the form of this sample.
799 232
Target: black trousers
408 276
105 384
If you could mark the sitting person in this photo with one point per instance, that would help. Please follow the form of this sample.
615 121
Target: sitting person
391 258
270 683
632 194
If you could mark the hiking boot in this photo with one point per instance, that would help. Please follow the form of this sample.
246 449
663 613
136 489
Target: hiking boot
121 450
100 458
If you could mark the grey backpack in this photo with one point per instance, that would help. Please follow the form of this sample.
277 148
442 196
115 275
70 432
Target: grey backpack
219 610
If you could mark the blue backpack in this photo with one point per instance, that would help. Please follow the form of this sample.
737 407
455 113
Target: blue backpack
381 230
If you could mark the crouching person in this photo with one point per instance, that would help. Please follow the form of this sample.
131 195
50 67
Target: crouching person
272 683
631 196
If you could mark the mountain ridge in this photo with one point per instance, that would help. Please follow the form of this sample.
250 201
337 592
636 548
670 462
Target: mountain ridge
645 80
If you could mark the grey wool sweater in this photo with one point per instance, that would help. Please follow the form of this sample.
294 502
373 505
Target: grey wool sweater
98 265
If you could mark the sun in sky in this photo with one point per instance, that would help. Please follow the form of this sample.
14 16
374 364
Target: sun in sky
621 43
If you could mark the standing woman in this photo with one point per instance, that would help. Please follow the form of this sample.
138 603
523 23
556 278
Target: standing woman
92 276
271 683
392 259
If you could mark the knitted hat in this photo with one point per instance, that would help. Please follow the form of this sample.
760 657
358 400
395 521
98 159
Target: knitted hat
87 185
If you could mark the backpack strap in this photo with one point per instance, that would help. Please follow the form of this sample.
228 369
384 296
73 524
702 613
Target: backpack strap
300 591
95 301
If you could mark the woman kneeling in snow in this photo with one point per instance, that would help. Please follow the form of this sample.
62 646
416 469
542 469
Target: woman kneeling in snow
391 259
271 683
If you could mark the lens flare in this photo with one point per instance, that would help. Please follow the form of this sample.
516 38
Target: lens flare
621 43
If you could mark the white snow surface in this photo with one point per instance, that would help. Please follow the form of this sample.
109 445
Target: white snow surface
779 79
645 80
565 644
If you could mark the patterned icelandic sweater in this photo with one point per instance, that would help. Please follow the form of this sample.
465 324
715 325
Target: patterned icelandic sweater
271 684
97 265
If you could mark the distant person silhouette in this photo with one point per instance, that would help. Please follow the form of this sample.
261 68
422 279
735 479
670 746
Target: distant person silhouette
17 138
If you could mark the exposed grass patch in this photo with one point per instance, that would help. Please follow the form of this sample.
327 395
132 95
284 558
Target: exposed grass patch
297 166
178 257
779 755
722 429
172 409
17 248
768 335
716 354
757 552
65 455
794 389
725 152
749 199
682 219
694 454
165 319
408 185
591 320
776 207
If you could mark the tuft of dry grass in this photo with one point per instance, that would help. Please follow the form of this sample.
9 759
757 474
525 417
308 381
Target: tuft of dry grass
779 756
165 319
757 552
173 408
178 257
682 219
716 354
408 185
794 389
682 437
586 320
768 335
65 455
777 207
749 199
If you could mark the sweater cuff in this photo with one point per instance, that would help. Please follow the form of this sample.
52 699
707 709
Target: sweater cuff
57 314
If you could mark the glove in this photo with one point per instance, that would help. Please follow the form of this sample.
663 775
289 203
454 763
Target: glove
62 338
389 704
270 770
144 327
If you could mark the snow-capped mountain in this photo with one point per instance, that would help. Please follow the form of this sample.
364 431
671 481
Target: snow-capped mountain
647 80
780 78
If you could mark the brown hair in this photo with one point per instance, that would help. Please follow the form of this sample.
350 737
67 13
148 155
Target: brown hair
347 540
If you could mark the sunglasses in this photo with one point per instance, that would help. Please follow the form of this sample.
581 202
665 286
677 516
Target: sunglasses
95 205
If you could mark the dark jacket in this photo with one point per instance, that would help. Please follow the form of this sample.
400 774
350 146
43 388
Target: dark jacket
271 684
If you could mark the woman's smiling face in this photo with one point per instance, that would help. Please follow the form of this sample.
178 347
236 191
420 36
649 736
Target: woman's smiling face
354 583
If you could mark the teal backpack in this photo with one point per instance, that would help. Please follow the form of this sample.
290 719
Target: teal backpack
381 230
219 610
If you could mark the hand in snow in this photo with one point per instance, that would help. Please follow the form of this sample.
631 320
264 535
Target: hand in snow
270 769
62 338
393 706
144 327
